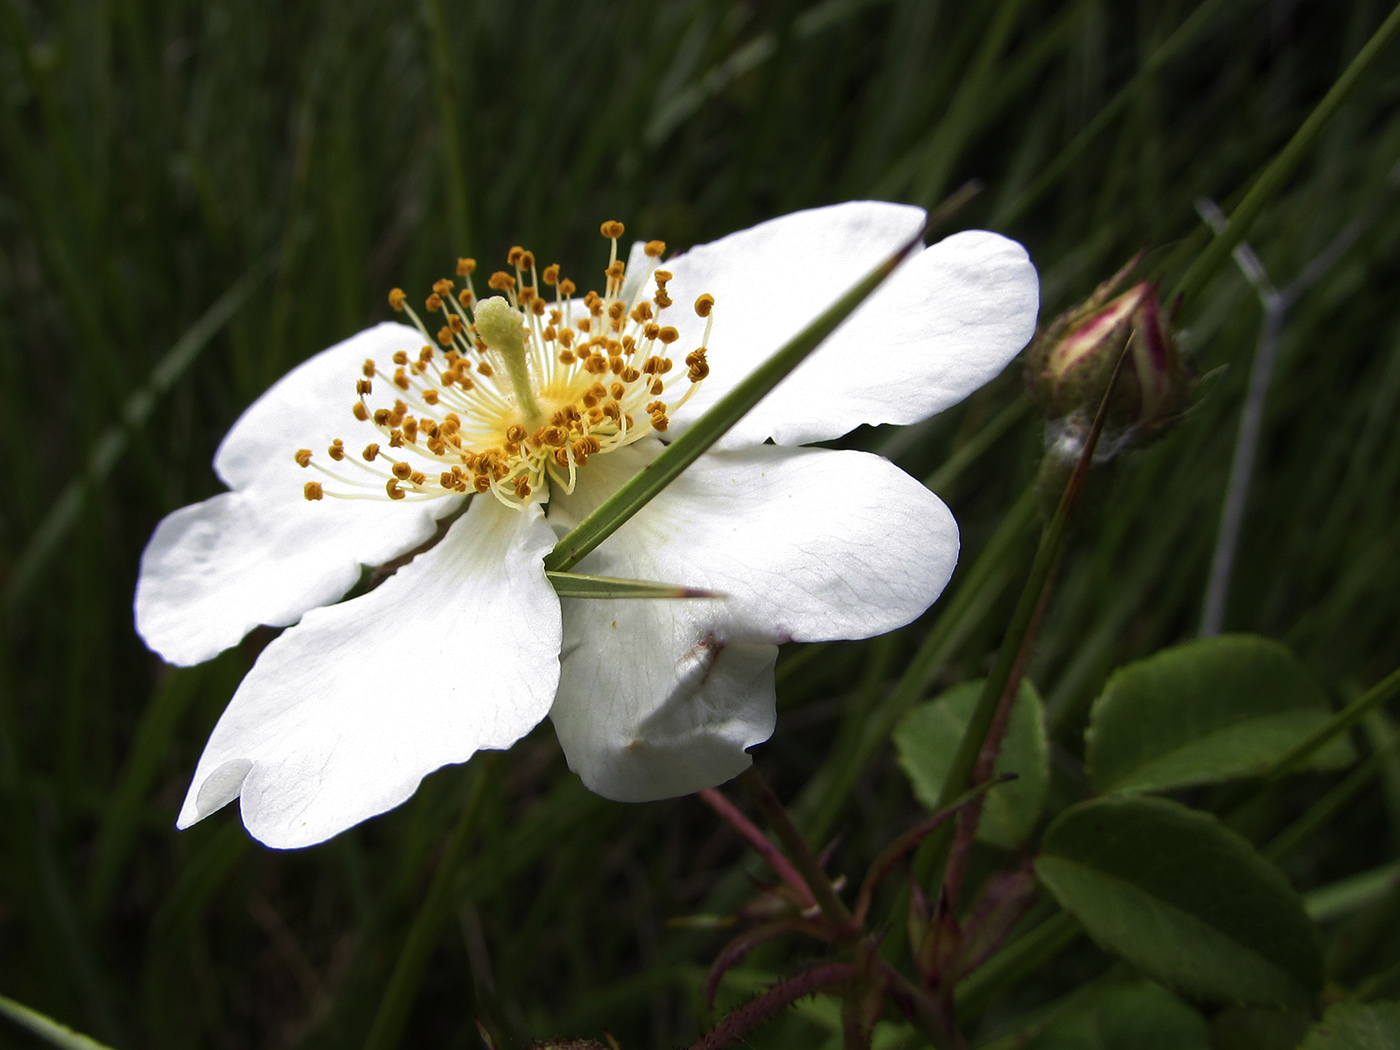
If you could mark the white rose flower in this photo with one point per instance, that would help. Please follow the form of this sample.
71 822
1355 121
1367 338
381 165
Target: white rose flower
542 409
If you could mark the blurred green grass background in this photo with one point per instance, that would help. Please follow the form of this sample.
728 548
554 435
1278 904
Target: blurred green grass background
196 196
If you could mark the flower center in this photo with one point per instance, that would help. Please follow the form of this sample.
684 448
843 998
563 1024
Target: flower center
515 391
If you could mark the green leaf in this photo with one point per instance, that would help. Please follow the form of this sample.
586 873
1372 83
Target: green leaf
1129 1015
1356 1026
1209 710
1184 899
582 585
927 739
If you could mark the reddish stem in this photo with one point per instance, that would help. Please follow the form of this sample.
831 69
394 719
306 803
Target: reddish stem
759 841
753 1013
987 759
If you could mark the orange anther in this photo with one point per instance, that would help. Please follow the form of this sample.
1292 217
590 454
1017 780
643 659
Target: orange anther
312 490
655 249
612 229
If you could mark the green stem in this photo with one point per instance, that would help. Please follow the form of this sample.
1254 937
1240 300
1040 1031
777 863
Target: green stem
864 735
388 1025
933 855
1343 720
708 429
1322 811
1348 895
1274 176
1339 723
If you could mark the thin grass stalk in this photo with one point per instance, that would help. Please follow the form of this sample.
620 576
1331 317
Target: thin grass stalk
1014 651
445 94
618 508
46 1028
1380 693
977 592
1283 164
1013 211
389 1021
803 859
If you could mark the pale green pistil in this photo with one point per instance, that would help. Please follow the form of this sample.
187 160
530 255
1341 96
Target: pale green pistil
498 324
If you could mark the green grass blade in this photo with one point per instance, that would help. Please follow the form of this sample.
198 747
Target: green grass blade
46 1028
108 449
1274 176
1052 172
582 585
413 959
708 429
152 740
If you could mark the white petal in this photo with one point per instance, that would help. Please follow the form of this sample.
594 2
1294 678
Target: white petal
948 320
263 554
661 698
639 268
308 407
345 713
